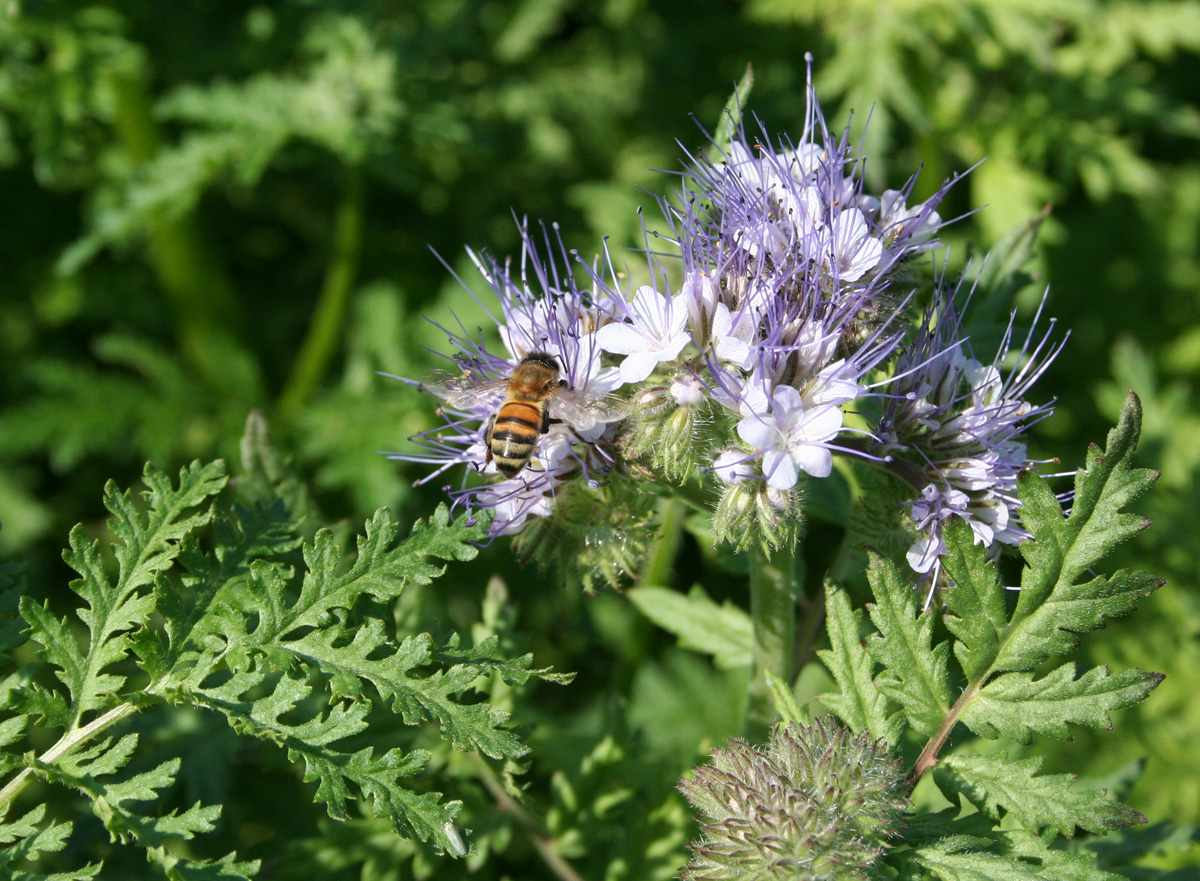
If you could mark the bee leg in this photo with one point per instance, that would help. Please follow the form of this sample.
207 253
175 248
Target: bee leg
547 422
487 442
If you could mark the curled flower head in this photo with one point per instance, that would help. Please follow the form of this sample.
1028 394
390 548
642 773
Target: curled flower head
953 425
818 802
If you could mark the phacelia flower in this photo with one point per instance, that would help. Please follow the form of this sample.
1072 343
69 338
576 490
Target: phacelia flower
543 311
765 333
654 332
952 425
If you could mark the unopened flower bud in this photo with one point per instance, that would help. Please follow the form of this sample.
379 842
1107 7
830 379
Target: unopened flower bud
819 802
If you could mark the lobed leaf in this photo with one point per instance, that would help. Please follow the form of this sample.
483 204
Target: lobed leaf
149 543
395 675
1016 705
338 775
975 610
997 785
1053 605
27 838
379 571
857 702
953 861
914 674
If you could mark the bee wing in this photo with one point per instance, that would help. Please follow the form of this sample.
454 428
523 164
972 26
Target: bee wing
467 391
584 411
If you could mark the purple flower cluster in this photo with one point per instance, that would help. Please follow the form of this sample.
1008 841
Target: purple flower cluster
958 420
786 314
541 311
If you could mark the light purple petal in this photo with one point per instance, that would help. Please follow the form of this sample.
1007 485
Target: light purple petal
780 469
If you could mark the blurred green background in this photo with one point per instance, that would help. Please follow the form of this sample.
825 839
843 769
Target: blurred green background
212 208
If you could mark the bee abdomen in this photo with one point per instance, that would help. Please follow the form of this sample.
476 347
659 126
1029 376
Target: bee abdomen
513 436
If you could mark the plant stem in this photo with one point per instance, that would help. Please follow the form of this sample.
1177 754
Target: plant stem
65 744
928 757
906 471
206 313
812 617
661 560
541 842
325 331
773 590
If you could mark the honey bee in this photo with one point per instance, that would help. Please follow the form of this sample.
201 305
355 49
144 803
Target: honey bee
535 396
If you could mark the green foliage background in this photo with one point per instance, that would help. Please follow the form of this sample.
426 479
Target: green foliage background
214 208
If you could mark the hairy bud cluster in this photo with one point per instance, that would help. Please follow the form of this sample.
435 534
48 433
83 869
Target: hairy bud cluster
819 802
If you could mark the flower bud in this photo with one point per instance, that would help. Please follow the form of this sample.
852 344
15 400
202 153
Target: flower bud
819 802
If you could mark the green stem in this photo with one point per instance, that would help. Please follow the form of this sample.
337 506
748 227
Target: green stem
205 311
660 563
773 592
69 741
541 842
328 322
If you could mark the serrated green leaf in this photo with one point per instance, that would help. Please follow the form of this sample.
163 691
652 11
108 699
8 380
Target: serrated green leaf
1052 629
953 864
858 702
111 802
99 759
914 673
1055 864
379 571
1053 605
723 631
249 536
26 838
339 775
974 601
416 697
996 786
786 706
149 542
512 671
222 869
1015 705
62 651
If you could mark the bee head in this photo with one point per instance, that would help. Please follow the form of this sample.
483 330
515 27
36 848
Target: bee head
546 360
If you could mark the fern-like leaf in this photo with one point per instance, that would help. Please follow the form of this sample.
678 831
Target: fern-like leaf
29 837
150 541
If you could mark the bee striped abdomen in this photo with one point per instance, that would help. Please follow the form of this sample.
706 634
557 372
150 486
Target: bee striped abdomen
514 434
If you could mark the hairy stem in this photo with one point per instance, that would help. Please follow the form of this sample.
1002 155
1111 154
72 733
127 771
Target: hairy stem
773 590
69 741
329 319
661 561
541 842
928 757
906 471
812 620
